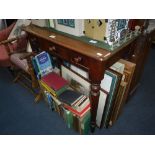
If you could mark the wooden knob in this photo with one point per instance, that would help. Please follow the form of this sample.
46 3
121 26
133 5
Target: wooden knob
77 59
52 48
133 56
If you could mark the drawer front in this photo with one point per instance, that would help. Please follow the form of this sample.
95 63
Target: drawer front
69 55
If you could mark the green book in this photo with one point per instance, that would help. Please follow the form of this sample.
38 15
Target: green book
68 118
85 124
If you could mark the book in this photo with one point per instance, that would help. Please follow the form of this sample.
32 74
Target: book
81 105
43 64
78 113
54 81
84 123
68 116
69 96
79 101
51 90
75 122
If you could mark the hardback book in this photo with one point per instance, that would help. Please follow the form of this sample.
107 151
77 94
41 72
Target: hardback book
51 90
78 113
68 116
82 104
54 81
75 122
84 123
42 64
79 101
69 97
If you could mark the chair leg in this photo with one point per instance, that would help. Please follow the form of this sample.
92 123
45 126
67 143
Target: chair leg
38 97
34 83
17 78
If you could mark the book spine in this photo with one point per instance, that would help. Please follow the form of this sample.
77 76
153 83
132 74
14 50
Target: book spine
85 124
75 123
78 101
48 89
83 104
58 92
80 114
68 118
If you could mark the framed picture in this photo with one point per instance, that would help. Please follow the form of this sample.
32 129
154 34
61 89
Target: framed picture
67 22
51 23
71 26
39 22
16 31
100 109
110 83
76 82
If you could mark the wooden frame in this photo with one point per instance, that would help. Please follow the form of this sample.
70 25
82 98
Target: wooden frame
112 90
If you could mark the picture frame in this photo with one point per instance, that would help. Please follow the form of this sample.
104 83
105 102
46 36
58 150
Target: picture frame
17 31
100 109
51 23
67 22
39 22
76 81
75 28
110 83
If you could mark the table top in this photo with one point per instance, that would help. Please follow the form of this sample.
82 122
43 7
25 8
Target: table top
99 51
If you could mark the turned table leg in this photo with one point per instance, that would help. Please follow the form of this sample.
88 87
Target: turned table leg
95 92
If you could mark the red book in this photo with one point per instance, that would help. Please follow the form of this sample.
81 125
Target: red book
54 81
81 113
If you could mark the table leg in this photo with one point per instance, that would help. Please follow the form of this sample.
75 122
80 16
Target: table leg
95 92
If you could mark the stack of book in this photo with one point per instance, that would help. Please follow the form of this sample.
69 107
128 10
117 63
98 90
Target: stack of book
75 110
54 84
75 102
73 106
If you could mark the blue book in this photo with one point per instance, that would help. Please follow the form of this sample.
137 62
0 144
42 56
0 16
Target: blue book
42 64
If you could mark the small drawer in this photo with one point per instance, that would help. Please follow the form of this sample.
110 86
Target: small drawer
59 52
79 60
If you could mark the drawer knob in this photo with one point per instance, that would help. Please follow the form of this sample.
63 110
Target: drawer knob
77 59
52 48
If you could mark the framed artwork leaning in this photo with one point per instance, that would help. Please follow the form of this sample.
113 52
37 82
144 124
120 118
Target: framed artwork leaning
110 83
